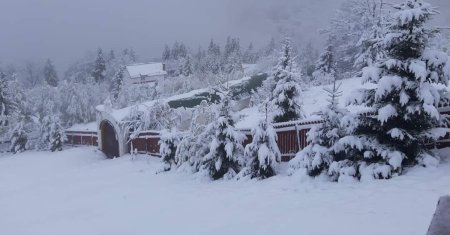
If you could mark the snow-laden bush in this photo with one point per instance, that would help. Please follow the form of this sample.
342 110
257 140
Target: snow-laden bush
169 140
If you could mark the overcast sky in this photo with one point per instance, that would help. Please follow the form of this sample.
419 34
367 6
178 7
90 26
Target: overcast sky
64 30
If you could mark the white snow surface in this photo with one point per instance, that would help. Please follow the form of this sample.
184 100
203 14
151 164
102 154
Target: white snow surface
77 191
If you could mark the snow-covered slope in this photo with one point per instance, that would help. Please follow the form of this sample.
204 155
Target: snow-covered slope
314 99
77 192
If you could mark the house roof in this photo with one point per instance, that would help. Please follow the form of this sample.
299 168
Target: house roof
152 69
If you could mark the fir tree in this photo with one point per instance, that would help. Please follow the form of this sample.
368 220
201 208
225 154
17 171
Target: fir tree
19 137
100 67
7 103
371 44
325 72
213 58
263 153
117 83
224 158
323 139
52 134
405 98
286 97
50 75
187 69
166 54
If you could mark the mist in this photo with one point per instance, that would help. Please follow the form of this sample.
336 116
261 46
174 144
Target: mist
65 30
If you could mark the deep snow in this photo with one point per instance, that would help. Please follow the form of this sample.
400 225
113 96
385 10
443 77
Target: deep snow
78 191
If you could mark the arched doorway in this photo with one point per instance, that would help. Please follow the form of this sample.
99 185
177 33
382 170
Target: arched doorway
110 143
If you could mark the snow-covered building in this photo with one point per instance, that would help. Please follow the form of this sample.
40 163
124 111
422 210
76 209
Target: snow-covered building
144 73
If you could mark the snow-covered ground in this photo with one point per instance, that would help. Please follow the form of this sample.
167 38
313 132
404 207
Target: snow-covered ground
78 191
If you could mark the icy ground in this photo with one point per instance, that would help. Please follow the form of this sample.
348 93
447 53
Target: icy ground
78 192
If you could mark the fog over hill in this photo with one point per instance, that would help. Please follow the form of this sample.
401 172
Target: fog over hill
65 30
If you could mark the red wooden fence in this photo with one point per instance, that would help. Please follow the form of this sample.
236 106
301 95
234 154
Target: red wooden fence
89 138
291 138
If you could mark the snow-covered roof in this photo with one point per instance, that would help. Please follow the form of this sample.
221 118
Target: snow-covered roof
151 69
121 114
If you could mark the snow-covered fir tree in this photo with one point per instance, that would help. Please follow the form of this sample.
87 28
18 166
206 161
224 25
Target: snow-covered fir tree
50 75
166 53
225 156
286 98
7 103
213 58
117 83
167 148
192 147
232 57
52 134
187 69
371 42
19 137
322 139
99 67
250 56
262 154
352 21
325 69
405 99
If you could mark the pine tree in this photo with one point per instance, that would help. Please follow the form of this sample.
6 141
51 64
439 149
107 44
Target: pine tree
249 56
325 72
287 95
213 61
117 83
224 158
232 57
405 98
50 75
111 56
7 103
323 139
352 20
187 69
192 147
166 54
99 67
167 148
52 134
19 137
370 44
263 153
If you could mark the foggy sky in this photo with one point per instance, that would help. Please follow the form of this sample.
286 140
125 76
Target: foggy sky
64 30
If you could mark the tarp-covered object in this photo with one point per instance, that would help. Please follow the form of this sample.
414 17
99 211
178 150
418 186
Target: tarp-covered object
440 225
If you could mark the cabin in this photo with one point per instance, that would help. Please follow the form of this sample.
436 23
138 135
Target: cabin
149 73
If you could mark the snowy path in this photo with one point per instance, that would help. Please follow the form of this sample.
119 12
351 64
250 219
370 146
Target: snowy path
78 192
